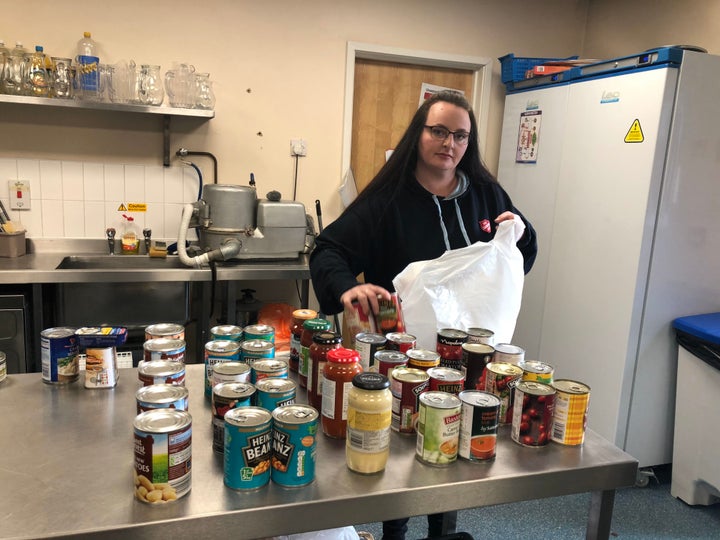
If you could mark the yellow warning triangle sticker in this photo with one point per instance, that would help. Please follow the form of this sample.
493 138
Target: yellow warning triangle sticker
635 133
122 208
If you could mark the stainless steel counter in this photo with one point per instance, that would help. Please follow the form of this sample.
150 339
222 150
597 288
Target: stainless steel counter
66 456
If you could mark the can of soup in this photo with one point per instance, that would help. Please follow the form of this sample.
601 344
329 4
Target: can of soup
422 359
294 442
161 372
570 414
532 413
444 379
259 331
59 350
164 330
220 350
273 393
230 371
449 345
164 349
367 344
269 367
163 455
478 425
533 370
161 396
247 448
256 349
400 341
500 379
227 331
438 428
386 361
406 386
480 335
506 352
225 397
475 357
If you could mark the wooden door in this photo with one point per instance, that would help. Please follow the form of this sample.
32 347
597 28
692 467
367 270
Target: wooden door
386 96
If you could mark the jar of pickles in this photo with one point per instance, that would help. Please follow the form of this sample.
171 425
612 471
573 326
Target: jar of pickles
310 328
341 366
323 342
367 445
299 316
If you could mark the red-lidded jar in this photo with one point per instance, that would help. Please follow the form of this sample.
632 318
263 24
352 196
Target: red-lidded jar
323 342
449 346
299 316
310 328
341 366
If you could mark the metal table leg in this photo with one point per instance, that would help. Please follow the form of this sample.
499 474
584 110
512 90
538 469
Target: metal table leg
600 515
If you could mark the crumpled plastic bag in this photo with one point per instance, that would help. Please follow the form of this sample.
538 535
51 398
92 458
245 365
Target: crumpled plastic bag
479 286
340 533
279 316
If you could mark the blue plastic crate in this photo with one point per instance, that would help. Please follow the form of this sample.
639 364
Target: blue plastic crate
513 68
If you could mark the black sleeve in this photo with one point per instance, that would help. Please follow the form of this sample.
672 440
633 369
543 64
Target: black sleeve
527 245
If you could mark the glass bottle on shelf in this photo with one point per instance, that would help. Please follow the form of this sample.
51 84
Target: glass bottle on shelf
37 79
150 87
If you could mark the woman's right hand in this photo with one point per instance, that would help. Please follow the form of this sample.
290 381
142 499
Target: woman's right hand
367 295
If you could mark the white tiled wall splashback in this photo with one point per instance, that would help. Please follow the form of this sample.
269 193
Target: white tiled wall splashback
73 199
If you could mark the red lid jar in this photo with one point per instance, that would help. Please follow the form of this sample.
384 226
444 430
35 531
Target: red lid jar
341 366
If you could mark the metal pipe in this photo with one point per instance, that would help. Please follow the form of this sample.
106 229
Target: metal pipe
183 152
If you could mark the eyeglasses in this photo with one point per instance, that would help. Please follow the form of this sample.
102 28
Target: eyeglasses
441 133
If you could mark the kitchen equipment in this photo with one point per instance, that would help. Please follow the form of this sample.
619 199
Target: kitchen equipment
15 327
620 184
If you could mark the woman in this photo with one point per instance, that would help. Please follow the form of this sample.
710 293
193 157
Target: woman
432 195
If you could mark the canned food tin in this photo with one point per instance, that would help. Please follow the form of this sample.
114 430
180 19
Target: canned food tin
449 346
533 370
444 379
388 360
225 397
406 385
294 435
220 350
367 344
164 349
3 366
422 359
480 335
247 448
274 392
227 331
163 455
475 357
500 379
438 428
259 331
230 371
505 352
256 349
532 413
164 330
572 400
59 350
400 341
161 372
101 369
161 396
269 367
478 425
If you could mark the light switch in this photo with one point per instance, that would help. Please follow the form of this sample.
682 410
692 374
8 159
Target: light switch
19 194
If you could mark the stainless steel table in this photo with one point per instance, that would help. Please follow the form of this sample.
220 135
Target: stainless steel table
66 456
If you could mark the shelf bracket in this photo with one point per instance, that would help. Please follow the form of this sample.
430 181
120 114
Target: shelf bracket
166 140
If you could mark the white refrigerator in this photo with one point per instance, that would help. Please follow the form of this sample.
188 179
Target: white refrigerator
619 172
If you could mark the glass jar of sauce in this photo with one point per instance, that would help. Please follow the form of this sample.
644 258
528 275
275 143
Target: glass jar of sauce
341 366
310 328
299 316
323 342
367 445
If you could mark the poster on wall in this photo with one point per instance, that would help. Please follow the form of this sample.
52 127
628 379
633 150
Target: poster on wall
427 90
528 137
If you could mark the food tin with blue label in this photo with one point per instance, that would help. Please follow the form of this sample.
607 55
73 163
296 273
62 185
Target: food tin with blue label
221 350
294 443
269 367
259 331
248 448
161 396
59 351
256 349
227 331
275 392
225 397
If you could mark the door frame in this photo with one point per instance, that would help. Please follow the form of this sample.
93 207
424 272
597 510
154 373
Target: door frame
480 99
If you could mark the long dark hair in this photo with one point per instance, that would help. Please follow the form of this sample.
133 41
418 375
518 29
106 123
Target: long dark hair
400 168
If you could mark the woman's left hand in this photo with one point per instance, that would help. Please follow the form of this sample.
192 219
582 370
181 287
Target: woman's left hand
505 216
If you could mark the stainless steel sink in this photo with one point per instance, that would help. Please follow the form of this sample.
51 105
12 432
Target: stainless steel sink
119 262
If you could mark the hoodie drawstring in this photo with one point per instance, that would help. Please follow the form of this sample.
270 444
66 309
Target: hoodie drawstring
442 223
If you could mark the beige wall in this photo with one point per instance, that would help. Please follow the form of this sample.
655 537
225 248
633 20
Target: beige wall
279 72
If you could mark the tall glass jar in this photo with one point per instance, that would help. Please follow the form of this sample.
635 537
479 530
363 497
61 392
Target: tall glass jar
150 86
310 328
299 316
204 94
367 445
323 342
341 366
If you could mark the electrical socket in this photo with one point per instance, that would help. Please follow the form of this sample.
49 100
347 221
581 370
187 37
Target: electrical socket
19 194
298 147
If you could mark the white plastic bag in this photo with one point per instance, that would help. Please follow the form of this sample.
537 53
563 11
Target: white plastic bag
476 286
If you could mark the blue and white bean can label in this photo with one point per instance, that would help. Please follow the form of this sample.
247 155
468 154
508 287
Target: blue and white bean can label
294 444
248 437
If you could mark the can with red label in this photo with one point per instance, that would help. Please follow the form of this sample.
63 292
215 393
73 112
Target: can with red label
449 347
164 330
570 415
533 370
161 372
438 428
406 385
164 349
389 360
480 335
422 359
225 397
478 425
444 379
367 344
500 379
230 371
161 396
475 357
532 413
400 341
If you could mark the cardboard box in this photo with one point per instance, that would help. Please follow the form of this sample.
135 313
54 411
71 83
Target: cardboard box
12 244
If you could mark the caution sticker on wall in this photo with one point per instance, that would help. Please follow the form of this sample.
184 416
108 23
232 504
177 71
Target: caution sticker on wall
635 134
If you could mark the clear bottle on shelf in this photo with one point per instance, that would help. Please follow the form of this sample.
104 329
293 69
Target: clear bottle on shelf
14 70
4 53
37 79
88 72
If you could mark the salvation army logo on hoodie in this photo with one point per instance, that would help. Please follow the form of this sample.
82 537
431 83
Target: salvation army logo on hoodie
485 225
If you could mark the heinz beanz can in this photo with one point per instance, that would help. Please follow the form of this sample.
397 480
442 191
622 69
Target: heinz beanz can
572 399
275 392
59 351
295 429
532 413
259 331
161 372
163 455
161 396
225 397
164 349
247 448
221 350
438 428
478 425
256 349
269 367
227 331
164 330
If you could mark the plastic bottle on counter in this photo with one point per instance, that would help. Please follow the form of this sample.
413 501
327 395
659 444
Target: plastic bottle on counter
88 72
14 70
37 78
129 239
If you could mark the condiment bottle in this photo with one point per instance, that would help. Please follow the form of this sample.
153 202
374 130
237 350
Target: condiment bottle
323 342
299 316
341 366
129 239
310 327
367 445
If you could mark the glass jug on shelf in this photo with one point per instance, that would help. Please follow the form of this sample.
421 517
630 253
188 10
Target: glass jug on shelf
13 77
204 94
179 85
150 87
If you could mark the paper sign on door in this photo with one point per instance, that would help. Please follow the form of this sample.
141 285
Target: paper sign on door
528 137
